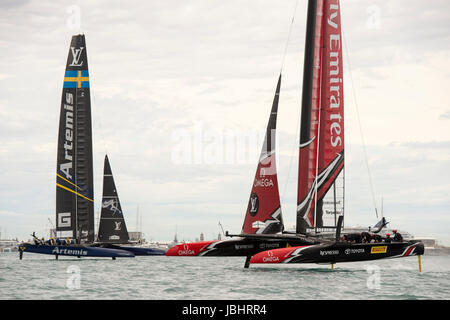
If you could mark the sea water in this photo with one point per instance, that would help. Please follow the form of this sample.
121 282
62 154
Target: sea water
223 278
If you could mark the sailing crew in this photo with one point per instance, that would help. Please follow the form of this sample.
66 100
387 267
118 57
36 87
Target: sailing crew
388 238
354 237
397 236
365 236
376 238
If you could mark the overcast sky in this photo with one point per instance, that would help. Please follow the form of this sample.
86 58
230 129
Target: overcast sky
169 74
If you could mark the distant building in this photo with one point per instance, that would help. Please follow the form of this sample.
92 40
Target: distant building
135 236
202 237
219 237
9 245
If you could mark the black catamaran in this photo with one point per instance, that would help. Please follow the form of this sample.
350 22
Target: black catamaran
321 155
74 169
112 231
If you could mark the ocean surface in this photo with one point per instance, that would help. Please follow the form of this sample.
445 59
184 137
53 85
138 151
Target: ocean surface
223 278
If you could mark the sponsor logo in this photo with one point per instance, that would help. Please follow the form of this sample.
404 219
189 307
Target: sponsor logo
253 204
269 245
379 249
65 251
64 220
114 238
270 257
68 142
263 182
76 55
118 224
243 246
351 251
329 252
258 224
335 80
186 251
111 205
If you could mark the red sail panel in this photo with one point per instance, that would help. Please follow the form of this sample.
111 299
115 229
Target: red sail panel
322 148
331 142
332 102
264 212
309 140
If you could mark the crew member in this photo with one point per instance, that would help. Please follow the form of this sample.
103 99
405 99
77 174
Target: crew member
354 237
365 236
397 236
376 238
388 238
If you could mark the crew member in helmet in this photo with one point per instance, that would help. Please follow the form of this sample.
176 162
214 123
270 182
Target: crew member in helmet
388 238
397 236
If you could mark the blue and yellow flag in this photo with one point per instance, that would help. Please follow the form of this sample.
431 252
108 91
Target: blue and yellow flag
76 79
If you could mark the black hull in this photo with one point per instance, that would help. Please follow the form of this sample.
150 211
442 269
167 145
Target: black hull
248 247
137 251
345 252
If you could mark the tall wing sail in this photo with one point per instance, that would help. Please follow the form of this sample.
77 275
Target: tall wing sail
112 228
74 171
264 211
321 152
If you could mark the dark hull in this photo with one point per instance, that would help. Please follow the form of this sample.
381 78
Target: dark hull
138 251
241 247
340 252
75 251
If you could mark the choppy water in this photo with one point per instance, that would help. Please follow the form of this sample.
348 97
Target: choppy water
224 278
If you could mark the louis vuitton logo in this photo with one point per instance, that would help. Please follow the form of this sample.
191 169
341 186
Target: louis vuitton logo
76 56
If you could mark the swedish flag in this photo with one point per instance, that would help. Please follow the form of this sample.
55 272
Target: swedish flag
76 79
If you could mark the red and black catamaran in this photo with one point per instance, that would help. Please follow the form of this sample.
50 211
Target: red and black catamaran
320 198
321 152
263 222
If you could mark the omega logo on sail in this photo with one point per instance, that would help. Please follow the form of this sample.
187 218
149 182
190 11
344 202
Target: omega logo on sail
335 80
68 142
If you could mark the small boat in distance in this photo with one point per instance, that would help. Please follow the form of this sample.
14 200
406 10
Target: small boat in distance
112 231
74 170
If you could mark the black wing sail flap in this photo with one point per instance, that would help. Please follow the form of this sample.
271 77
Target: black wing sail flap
112 228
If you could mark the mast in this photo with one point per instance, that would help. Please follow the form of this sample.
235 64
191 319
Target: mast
74 169
264 210
321 151
112 227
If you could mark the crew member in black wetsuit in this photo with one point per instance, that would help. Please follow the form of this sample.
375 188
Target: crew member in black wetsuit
388 238
376 238
397 236
365 236
354 237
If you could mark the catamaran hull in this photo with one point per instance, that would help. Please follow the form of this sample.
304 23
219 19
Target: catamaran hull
339 252
242 247
139 251
75 251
